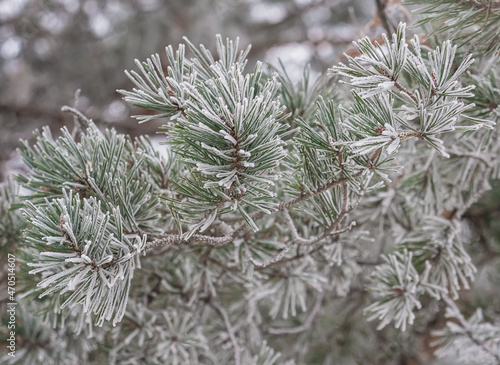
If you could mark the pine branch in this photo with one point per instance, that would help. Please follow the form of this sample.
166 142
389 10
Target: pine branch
162 240
78 114
97 208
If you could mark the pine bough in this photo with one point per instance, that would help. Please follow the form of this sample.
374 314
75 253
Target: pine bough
270 206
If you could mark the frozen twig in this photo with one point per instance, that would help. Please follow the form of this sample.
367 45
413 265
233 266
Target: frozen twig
173 239
302 241
78 115
230 331
274 260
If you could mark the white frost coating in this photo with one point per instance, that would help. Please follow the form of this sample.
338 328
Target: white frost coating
105 260
377 80
244 153
75 260
249 139
228 137
58 254
386 85
86 259
218 152
209 169
391 132
207 129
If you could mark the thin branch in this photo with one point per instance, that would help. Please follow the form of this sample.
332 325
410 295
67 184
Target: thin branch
76 119
307 323
278 259
407 92
173 239
402 89
375 155
345 198
345 211
318 191
230 331
302 241
290 259
361 194
85 120
487 160
300 198
274 260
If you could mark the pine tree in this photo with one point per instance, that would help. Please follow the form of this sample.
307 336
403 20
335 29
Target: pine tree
279 223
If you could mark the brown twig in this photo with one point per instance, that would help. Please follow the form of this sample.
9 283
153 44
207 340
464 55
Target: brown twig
78 114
